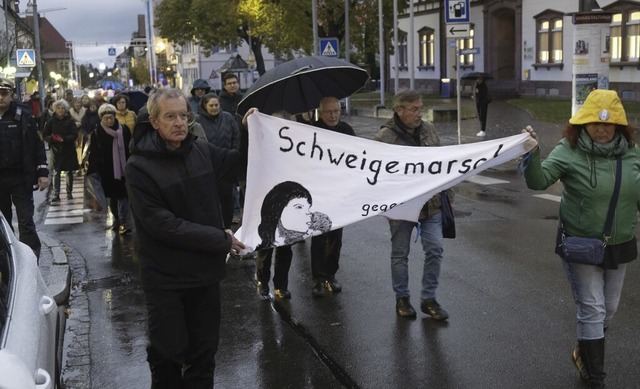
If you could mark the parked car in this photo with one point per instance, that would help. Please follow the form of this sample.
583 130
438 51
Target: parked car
28 319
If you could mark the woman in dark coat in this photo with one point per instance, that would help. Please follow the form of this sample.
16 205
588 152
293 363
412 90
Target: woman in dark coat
108 154
221 129
61 132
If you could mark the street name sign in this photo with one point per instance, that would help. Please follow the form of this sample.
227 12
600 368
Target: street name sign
456 11
475 50
458 30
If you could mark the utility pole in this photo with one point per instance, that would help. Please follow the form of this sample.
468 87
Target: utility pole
39 62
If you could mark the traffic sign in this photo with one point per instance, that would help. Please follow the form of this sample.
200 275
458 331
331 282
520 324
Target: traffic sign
329 47
26 58
458 30
457 11
112 51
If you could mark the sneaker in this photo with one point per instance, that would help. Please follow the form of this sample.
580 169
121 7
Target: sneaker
332 286
263 289
404 307
433 309
282 294
481 133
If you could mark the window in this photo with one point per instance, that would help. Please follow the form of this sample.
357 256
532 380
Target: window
549 38
624 41
427 48
402 50
466 60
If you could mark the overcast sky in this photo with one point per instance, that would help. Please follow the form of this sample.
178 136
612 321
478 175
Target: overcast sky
93 25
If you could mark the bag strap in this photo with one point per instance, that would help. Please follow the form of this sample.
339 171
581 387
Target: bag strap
614 199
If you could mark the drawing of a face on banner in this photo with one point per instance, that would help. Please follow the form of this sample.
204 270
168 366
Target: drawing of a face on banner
286 216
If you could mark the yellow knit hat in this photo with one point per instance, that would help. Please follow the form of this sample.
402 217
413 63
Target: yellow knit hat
601 106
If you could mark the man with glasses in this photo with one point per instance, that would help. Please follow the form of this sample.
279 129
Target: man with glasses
407 128
23 164
171 180
325 248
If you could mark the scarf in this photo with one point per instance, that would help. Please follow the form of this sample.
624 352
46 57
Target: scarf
617 146
117 150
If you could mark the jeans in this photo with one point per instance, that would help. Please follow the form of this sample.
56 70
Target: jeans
119 210
431 238
14 191
184 329
596 293
56 182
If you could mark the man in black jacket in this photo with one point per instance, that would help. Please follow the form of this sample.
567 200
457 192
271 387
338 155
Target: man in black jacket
171 180
325 248
23 164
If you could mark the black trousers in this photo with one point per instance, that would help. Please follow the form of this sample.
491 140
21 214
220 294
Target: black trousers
325 255
482 108
184 329
281 266
14 191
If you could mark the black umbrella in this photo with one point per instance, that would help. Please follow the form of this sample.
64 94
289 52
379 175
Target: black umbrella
298 85
474 75
137 99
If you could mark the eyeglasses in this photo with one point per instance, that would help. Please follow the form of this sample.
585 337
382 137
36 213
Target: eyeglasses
5 92
413 110
231 83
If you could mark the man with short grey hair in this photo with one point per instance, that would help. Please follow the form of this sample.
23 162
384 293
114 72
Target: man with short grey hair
171 180
407 128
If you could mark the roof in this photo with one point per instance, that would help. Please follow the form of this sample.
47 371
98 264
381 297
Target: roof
52 43
234 63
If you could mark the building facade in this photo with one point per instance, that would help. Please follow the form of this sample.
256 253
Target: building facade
527 46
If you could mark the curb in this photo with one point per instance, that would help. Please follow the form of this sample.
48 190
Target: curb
60 276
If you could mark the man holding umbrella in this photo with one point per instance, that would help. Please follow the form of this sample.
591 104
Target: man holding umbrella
325 248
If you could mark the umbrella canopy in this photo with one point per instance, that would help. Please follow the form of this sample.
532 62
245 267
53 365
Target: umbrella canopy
298 86
137 99
474 75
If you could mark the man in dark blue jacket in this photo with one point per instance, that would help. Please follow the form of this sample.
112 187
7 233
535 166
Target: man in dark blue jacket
23 164
171 180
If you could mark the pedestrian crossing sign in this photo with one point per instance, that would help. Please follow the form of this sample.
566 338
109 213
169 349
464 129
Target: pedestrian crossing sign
26 58
329 47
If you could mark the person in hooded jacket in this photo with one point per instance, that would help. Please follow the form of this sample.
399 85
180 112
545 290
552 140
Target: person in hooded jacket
61 132
221 130
171 181
198 90
108 154
585 161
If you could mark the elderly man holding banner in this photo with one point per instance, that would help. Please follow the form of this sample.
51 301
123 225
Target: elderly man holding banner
407 128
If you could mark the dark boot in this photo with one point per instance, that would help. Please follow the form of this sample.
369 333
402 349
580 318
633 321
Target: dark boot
592 355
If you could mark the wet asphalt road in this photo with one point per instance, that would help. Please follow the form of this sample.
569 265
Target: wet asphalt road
512 319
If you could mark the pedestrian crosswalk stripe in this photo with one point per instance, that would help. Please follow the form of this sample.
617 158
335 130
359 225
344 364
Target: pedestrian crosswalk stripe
548 197
68 211
482 180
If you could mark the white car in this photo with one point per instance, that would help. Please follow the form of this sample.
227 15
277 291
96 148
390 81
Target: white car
28 318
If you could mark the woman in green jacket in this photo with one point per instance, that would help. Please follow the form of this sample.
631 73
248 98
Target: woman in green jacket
585 162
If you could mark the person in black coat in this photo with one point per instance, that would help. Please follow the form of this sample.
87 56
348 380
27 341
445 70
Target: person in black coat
23 166
482 98
108 154
182 245
61 132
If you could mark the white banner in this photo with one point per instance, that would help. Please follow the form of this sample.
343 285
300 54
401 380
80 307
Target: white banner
303 180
